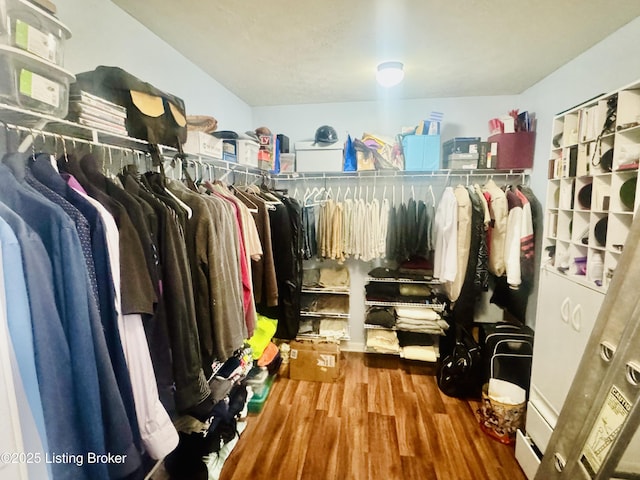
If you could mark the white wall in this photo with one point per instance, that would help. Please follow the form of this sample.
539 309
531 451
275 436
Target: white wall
104 34
463 116
610 64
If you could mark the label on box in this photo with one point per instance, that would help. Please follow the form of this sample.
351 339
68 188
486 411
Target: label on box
33 40
39 88
293 354
328 361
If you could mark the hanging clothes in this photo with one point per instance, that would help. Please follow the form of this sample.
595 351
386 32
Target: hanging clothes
265 287
445 264
214 261
498 209
72 297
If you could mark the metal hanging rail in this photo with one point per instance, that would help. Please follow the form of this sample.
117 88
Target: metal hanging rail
400 174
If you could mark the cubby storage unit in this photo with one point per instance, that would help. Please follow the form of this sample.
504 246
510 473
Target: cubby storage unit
592 198
591 194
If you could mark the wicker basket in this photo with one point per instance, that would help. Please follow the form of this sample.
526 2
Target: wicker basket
500 420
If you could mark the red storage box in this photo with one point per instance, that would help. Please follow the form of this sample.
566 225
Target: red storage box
515 150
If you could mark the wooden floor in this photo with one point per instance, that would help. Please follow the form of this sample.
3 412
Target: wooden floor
384 418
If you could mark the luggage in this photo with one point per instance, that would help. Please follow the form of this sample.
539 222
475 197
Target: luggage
507 353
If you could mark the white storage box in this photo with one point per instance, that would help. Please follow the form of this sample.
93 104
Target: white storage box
311 157
33 84
244 152
28 27
200 143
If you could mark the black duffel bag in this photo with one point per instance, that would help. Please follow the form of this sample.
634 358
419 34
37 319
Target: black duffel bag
152 115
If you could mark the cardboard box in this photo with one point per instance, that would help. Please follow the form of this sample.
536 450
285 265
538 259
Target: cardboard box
311 157
315 361
200 143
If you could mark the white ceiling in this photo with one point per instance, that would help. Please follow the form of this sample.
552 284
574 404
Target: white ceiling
283 52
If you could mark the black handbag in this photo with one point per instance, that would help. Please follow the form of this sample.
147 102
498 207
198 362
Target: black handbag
459 374
152 115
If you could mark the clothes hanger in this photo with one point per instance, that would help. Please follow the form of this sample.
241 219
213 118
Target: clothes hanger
253 208
433 197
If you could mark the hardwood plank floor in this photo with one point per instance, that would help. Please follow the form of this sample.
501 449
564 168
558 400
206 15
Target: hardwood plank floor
384 418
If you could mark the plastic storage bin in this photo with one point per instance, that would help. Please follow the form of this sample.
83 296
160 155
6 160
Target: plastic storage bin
200 143
421 152
244 152
256 404
33 84
318 158
30 28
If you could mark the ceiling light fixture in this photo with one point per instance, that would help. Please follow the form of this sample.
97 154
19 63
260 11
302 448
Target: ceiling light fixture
390 74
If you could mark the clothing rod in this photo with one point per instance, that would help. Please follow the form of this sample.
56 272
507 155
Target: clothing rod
33 132
403 174
165 151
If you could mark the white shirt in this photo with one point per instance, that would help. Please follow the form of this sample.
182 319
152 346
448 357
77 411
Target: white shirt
445 262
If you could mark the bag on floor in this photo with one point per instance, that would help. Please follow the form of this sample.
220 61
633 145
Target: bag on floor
459 374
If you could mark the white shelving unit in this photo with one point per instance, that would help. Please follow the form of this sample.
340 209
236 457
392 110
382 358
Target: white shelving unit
341 293
426 303
592 199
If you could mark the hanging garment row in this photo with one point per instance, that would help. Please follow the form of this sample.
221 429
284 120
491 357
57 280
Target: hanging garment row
472 231
482 230
127 292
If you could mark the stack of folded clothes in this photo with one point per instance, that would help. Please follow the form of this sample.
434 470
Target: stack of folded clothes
420 319
417 346
381 316
334 278
330 327
425 353
383 341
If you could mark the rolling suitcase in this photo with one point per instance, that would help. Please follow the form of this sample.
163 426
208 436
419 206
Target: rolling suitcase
507 353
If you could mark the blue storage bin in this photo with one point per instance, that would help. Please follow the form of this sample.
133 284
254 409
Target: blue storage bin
421 152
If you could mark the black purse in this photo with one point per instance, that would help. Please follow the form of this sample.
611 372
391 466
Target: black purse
459 374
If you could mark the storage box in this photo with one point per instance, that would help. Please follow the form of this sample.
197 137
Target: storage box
287 162
311 157
315 361
256 404
487 154
244 152
460 145
421 152
283 142
30 28
200 143
33 84
515 150
461 161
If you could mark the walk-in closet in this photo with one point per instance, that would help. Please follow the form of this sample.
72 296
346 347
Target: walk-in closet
326 241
